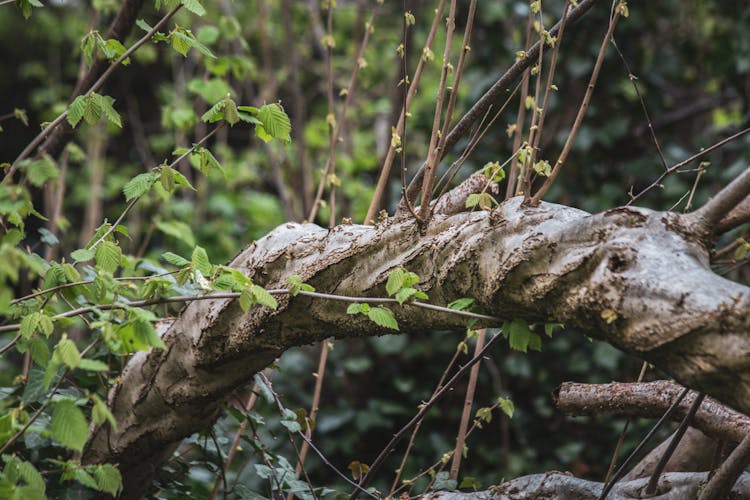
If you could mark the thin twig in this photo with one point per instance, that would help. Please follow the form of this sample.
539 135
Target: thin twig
419 416
720 485
385 170
581 112
96 86
654 481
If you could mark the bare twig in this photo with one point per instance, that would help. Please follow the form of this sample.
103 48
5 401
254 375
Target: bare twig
466 413
385 170
581 112
709 215
654 481
721 484
419 416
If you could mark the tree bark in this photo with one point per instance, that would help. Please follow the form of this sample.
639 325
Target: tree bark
630 276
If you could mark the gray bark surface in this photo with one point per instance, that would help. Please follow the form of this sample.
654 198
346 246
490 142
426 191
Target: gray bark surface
540 264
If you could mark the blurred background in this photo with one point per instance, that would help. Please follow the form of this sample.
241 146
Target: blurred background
690 62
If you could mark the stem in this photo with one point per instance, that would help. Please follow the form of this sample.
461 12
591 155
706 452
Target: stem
419 416
466 414
721 484
581 113
385 170
96 86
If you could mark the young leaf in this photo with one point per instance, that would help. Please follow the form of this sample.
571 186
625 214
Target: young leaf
200 261
175 259
69 427
193 6
108 256
82 255
354 308
395 281
76 110
461 304
68 352
139 185
275 121
108 479
262 297
383 317
507 406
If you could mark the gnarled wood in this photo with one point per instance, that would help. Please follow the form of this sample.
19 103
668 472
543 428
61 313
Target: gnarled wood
544 263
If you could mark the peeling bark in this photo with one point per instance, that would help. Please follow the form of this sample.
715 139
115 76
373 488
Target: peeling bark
544 263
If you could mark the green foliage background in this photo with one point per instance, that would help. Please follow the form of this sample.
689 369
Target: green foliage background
690 61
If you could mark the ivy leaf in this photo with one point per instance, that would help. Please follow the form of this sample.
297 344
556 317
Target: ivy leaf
383 316
262 297
69 427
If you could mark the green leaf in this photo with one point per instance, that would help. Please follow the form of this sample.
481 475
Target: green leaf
108 256
39 351
275 121
41 170
215 113
193 6
177 229
520 336
507 406
32 477
100 413
180 42
93 365
175 259
289 420
68 352
139 185
383 316
82 255
76 110
354 308
105 103
143 25
262 297
246 300
472 200
461 304
395 281
69 427
200 261
108 479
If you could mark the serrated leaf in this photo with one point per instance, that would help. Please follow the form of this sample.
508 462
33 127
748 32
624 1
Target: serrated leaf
395 281
262 297
246 300
32 477
175 259
92 365
100 413
383 317
68 352
108 479
76 110
461 304
177 229
69 427
139 185
507 406
200 261
230 112
520 336
472 200
354 308
215 113
181 180
83 477
275 121
93 111
193 6
108 256
180 42
82 255
405 294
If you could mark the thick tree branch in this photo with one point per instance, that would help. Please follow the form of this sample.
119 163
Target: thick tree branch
534 263
651 400
709 216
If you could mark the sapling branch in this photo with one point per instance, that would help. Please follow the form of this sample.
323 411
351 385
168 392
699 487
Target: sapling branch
720 485
29 149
